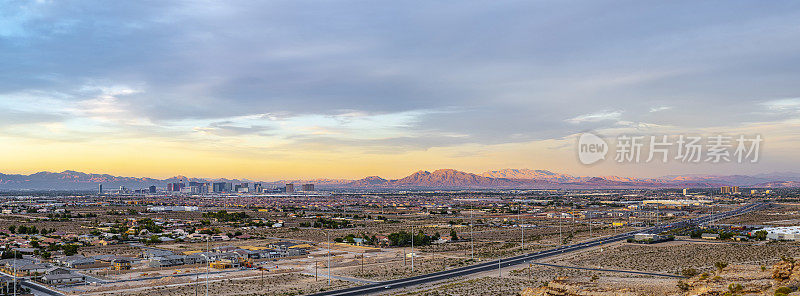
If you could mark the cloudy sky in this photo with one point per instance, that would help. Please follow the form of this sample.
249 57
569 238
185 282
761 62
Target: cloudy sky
274 89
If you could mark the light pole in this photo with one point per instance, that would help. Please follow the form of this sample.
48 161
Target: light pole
500 266
208 262
471 232
412 247
560 239
15 272
589 212
521 226
328 233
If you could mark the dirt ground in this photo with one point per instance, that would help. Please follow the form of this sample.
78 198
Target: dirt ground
672 257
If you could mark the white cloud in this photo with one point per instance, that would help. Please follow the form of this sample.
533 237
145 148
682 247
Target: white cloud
596 117
659 108
783 105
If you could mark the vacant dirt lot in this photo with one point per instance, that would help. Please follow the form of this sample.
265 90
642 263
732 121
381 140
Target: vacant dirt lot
675 256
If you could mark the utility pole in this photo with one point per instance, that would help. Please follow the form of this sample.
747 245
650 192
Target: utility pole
589 214
315 270
404 256
658 216
500 266
560 239
15 272
328 233
521 226
572 227
434 251
208 263
412 247
530 267
472 233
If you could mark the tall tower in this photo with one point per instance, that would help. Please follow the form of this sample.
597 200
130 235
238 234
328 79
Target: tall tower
100 189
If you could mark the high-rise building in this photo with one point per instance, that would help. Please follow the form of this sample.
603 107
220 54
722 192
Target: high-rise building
152 189
100 189
308 187
685 191
218 187
729 190
175 186
290 188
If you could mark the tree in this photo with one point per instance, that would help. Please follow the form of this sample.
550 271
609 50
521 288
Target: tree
735 288
10 254
689 272
453 235
720 266
12 229
683 286
783 291
761 235
70 249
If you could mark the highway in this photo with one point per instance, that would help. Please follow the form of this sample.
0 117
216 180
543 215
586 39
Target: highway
511 261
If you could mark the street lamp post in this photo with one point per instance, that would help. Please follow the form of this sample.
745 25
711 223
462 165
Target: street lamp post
500 266
472 232
15 272
208 263
328 233
412 247
521 226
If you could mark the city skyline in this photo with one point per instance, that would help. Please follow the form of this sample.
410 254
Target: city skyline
349 89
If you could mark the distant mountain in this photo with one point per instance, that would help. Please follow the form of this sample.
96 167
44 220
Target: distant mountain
70 180
735 180
778 184
530 174
369 182
453 179
788 176
442 178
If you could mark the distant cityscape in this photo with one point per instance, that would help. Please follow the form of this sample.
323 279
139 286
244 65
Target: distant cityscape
215 187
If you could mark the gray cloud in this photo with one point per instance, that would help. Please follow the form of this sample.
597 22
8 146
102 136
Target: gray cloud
513 71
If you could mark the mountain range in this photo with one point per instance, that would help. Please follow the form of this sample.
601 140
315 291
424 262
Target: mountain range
438 179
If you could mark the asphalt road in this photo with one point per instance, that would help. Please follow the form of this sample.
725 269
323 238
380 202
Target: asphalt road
493 265
36 288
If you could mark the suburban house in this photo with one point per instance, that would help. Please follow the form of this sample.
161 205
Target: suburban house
62 278
77 261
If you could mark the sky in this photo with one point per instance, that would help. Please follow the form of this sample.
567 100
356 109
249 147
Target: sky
348 89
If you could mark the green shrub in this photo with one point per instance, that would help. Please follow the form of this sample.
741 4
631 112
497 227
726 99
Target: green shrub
783 290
